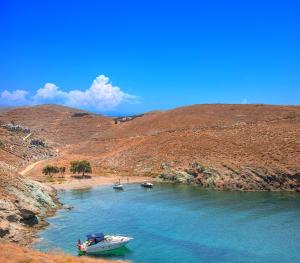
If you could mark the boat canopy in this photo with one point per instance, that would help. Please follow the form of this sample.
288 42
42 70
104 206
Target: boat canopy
98 236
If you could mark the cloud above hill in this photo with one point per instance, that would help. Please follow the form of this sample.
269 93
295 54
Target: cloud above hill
14 97
102 96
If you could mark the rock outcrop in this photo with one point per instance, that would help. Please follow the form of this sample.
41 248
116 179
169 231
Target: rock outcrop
16 128
176 176
228 178
24 204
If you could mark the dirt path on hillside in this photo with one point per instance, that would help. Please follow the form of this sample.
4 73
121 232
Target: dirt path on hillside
28 168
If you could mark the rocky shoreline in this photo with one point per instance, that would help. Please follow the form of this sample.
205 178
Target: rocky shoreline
24 206
242 179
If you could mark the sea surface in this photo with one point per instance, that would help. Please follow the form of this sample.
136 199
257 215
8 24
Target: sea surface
179 223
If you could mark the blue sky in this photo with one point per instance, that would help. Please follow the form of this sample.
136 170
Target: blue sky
151 54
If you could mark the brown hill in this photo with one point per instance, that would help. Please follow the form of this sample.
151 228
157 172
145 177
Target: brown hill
245 146
205 116
249 147
57 124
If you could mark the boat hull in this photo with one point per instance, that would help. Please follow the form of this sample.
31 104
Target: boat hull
103 249
118 187
109 244
147 185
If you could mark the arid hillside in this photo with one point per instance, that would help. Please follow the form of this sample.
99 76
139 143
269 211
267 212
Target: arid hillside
247 147
58 125
11 253
17 148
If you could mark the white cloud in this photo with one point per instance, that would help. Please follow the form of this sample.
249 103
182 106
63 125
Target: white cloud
102 95
16 97
49 91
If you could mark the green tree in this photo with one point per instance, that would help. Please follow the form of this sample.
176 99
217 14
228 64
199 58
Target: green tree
81 167
1 145
50 170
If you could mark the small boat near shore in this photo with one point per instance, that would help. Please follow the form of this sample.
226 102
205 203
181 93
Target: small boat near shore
99 243
147 185
118 186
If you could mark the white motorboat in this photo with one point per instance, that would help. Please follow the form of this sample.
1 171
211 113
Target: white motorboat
118 186
147 185
99 243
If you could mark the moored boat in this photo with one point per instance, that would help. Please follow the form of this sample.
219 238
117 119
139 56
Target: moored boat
147 185
99 243
118 186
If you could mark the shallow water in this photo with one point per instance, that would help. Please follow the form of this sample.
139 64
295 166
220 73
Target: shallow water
178 223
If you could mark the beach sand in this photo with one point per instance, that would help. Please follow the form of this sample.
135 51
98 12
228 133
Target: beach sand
79 183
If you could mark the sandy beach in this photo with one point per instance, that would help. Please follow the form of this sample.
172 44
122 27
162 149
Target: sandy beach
79 183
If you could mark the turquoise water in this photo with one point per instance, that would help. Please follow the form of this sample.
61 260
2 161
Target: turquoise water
177 223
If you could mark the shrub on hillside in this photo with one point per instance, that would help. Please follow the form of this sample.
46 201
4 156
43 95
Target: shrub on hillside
50 170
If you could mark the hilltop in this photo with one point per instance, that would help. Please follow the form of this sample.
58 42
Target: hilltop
59 125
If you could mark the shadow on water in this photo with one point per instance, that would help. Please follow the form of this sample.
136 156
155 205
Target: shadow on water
120 252
119 190
80 192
